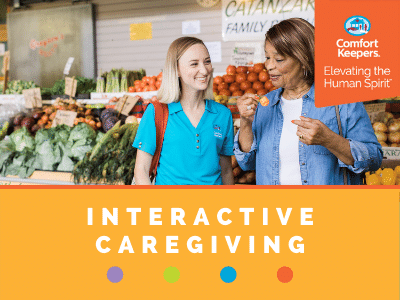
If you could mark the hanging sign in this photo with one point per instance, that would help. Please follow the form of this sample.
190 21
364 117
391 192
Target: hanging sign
141 31
68 65
243 56
244 20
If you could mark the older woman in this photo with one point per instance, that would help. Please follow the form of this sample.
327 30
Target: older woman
290 141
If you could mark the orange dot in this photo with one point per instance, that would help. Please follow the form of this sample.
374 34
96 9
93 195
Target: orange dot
285 274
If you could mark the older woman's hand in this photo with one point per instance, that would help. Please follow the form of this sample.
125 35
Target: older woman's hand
247 105
312 131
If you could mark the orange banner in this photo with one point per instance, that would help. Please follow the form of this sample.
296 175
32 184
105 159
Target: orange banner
210 244
356 50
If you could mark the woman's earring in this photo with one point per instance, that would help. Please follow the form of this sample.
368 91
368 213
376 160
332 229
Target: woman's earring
305 73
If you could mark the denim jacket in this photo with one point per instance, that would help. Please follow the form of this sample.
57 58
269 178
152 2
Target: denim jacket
318 166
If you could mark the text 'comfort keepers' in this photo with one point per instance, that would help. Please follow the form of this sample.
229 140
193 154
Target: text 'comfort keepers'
194 244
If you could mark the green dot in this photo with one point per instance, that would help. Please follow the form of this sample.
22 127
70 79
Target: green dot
171 274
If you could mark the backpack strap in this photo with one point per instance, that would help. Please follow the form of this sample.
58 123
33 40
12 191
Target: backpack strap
341 134
161 120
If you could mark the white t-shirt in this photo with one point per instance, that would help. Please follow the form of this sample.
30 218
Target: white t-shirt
289 166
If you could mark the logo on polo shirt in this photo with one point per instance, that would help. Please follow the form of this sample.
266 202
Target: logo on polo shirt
217 131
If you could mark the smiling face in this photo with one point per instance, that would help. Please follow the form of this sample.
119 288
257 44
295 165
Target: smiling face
195 69
284 71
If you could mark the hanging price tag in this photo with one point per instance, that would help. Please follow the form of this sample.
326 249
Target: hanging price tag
68 65
33 98
70 86
126 103
64 117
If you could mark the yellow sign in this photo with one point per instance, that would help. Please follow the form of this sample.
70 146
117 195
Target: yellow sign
141 31
195 243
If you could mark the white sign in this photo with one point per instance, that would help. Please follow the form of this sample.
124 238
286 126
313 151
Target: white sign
68 65
2 49
191 27
243 56
244 20
214 49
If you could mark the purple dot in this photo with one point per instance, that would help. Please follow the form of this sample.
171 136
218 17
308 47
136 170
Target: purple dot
115 274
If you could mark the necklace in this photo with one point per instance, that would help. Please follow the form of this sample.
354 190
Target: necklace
299 95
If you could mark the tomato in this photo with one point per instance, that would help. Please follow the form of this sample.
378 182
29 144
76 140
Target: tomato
263 76
234 87
245 85
218 80
132 89
158 84
250 69
225 93
252 77
152 87
229 78
262 92
215 86
237 93
222 86
139 89
152 80
258 67
215 91
231 70
257 85
241 69
241 77
250 91
146 88
137 82
142 84
268 85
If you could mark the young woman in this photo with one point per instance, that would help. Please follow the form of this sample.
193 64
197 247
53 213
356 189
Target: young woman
198 140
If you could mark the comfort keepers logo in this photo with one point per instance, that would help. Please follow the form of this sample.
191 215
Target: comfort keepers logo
357 25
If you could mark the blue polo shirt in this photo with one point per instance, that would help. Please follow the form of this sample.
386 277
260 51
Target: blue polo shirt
189 155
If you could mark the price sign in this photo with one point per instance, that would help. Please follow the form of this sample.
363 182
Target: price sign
376 111
64 117
33 98
68 65
126 103
243 56
70 86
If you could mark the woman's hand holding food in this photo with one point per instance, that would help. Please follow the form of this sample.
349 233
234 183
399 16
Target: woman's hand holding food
314 132
247 105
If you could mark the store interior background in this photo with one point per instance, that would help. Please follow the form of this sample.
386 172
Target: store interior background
114 49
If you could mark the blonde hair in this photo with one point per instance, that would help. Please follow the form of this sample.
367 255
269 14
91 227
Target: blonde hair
170 89
295 38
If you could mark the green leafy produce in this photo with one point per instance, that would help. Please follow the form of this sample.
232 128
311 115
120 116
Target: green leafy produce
17 86
84 86
112 160
57 148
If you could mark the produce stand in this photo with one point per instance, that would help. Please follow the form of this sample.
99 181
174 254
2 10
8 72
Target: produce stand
40 178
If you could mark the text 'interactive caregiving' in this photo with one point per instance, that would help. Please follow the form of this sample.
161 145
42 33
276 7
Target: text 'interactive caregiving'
105 243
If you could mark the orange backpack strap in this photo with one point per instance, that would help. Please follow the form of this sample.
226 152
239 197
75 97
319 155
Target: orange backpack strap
161 120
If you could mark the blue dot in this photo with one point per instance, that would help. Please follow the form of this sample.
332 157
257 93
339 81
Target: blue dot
115 274
228 274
